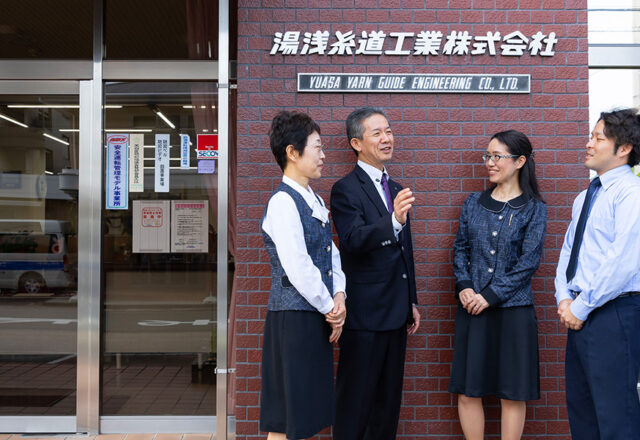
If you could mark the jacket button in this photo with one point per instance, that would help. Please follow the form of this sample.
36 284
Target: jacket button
404 275
490 270
494 233
329 248
330 272
499 217
323 224
492 251
402 247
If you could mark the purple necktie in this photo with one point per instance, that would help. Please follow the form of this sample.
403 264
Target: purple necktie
387 193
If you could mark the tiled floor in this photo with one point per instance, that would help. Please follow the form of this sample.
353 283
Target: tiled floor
110 437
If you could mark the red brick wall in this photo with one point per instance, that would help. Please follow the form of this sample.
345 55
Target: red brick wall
438 139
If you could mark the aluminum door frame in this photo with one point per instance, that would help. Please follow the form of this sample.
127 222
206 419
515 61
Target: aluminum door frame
35 424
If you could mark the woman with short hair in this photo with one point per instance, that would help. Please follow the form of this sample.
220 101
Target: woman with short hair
306 308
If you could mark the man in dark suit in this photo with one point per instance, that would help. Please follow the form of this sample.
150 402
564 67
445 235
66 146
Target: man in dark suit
370 214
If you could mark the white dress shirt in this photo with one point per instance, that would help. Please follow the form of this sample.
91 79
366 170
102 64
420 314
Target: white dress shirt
376 177
609 259
282 223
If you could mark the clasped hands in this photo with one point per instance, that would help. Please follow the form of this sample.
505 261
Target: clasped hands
567 317
473 302
337 316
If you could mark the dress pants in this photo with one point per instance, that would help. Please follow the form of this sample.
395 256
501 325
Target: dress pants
369 384
602 367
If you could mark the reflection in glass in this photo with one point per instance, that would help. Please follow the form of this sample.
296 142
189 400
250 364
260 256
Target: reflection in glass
165 29
160 307
45 29
38 254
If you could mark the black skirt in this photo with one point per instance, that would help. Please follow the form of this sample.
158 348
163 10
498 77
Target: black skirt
298 396
496 354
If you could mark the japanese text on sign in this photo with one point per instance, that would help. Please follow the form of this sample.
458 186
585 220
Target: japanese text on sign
425 43
162 163
117 162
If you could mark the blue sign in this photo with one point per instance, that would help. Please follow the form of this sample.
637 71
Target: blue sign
117 171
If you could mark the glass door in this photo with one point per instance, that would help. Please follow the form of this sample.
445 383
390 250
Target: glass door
38 259
160 255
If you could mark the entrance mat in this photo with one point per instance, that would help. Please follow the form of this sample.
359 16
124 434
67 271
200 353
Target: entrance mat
30 397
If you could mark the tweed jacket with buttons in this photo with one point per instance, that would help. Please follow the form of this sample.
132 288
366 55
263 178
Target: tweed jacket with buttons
498 247
317 237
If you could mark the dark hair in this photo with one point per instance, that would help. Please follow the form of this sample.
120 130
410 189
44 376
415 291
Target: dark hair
518 143
354 126
290 128
623 127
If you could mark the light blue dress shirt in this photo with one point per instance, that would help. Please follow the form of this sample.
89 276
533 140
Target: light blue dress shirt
609 259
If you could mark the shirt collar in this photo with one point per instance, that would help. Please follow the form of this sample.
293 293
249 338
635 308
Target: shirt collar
611 176
374 173
491 204
307 193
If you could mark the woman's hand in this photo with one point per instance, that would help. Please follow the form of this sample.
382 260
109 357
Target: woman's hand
335 334
466 295
477 304
338 314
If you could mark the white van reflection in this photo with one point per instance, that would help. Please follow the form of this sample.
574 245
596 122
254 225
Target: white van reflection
33 256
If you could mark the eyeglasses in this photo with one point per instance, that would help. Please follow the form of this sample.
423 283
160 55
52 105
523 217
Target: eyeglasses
321 147
496 157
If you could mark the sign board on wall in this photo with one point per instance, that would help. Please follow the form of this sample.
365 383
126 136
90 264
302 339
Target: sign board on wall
424 43
412 83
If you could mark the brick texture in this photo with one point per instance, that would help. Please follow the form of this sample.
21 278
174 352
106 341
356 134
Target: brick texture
438 138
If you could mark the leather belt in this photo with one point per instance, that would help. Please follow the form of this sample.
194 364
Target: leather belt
622 295
575 294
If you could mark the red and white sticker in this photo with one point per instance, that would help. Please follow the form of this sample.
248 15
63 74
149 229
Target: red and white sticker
152 217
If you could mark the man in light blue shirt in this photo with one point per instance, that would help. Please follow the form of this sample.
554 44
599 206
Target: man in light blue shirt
598 287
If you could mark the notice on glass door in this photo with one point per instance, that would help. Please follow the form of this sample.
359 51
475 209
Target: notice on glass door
185 142
151 226
136 163
162 163
190 226
116 182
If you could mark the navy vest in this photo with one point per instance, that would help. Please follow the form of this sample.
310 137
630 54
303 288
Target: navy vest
317 237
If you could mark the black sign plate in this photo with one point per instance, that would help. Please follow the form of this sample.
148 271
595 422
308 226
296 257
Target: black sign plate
412 83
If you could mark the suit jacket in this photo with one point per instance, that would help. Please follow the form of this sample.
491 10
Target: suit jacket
379 269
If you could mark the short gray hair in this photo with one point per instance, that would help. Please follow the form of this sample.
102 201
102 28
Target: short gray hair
354 125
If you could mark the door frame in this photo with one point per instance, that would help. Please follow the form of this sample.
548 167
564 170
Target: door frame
86 77
53 423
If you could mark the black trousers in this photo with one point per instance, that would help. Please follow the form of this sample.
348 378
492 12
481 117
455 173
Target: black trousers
369 384
602 367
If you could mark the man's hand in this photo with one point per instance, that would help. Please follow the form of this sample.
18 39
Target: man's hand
567 317
465 296
477 304
563 305
402 205
416 321
338 314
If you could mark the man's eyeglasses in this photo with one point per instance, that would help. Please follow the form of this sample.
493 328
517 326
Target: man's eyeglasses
496 157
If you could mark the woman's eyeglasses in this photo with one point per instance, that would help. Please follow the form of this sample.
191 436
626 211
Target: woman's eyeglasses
496 157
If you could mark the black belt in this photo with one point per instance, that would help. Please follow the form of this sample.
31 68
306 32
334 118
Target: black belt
622 295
